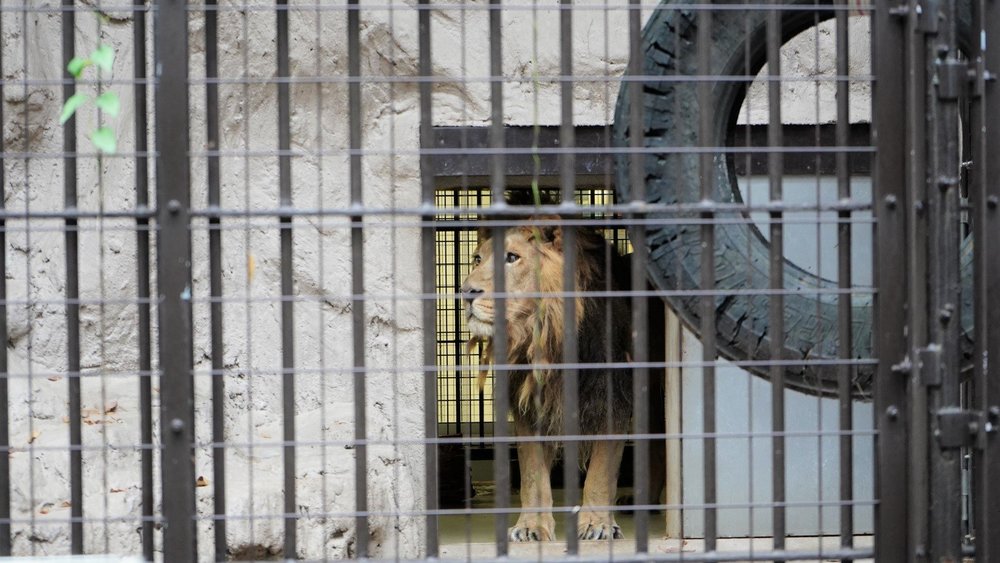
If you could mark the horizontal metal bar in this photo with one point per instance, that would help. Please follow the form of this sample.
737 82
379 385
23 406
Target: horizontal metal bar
306 370
266 80
860 7
656 150
519 510
70 213
468 440
320 7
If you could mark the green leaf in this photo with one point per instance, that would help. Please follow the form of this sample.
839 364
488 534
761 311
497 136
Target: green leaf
103 57
104 140
69 107
108 102
76 66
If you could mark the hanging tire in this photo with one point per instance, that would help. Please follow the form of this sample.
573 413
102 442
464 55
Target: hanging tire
670 121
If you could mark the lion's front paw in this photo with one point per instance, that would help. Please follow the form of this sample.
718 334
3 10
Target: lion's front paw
533 528
598 526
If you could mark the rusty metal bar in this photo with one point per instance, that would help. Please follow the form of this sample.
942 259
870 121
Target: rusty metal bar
890 344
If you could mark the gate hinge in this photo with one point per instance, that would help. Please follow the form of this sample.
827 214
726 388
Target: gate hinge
927 16
929 365
952 76
959 428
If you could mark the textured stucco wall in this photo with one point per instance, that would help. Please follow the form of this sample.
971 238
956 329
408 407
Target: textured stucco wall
248 122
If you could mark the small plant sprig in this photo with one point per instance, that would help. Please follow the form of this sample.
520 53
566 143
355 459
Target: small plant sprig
103 57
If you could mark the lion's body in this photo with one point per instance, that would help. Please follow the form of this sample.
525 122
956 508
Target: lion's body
535 314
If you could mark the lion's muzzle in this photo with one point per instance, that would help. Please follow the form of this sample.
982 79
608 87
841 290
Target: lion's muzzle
478 311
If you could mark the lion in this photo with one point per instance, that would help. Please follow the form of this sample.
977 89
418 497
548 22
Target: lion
533 265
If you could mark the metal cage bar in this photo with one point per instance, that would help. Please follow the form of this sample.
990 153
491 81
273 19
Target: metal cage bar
143 284
776 302
501 388
844 282
5 483
707 269
287 283
571 352
215 282
986 186
357 279
174 282
427 276
889 198
71 238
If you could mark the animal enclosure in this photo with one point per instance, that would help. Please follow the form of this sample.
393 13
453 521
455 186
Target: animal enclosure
548 280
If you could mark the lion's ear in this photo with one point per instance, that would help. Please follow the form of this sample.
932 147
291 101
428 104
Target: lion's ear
552 234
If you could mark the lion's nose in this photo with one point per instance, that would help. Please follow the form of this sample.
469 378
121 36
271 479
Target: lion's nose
469 294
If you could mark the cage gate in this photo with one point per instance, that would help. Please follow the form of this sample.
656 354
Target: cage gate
526 281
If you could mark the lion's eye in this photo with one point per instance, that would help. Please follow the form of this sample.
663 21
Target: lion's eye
476 260
511 257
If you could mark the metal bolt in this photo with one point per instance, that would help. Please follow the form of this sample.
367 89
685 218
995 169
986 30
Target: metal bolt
973 427
942 50
892 412
919 207
174 207
177 425
995 411
992 202
890 201
945 314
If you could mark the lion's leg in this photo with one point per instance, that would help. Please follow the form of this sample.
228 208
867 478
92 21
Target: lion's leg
535 461
599 490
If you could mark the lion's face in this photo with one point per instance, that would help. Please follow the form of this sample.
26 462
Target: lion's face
531 257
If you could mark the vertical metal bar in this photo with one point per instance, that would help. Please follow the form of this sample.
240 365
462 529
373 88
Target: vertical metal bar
72 290
143 282
944 155
173 240
501 387
567 185
640 313
358 280
707 305
916 185
845 371
890 281
287 285
5 482
776 301
986 169
427 272
215 280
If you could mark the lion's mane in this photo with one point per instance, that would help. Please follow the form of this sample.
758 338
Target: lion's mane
535 332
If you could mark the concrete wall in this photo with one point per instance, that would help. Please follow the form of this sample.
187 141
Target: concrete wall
36 278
